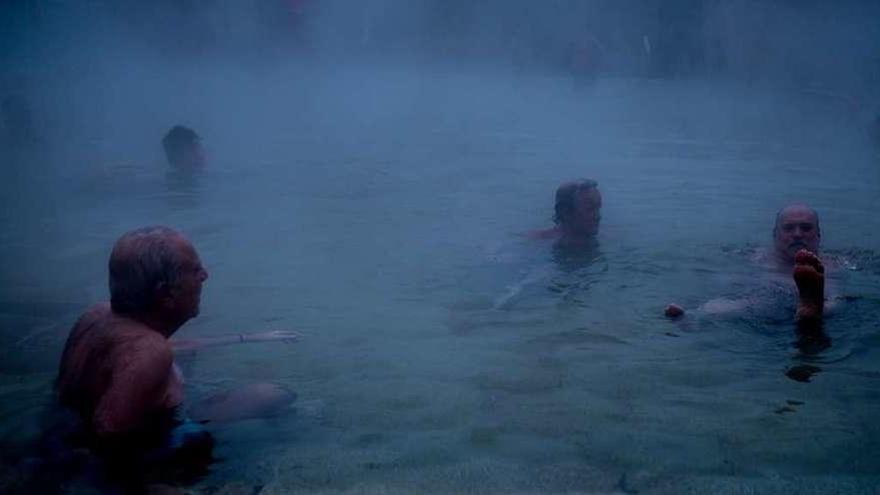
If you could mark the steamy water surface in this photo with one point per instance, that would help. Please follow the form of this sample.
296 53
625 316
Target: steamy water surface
442 351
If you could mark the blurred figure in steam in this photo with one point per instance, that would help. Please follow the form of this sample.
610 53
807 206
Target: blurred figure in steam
585 57
183 148
576 214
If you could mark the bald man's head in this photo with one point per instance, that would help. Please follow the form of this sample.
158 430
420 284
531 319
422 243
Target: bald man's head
142 261
796 228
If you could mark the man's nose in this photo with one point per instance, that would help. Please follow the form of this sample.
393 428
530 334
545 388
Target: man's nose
204 275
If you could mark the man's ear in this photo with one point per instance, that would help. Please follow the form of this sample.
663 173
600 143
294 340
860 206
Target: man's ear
163 295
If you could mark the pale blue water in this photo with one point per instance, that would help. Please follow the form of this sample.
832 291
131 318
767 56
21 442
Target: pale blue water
378 212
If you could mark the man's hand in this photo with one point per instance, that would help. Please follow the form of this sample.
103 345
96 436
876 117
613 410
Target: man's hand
673 311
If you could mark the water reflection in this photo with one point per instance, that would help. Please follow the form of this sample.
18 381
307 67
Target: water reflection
811 341
572 256
184 188
572 268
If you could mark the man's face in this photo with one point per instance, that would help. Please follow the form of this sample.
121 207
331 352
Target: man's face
796 229
191 157
187 293
587 204
195 156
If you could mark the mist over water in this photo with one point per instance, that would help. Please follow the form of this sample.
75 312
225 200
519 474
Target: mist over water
371 168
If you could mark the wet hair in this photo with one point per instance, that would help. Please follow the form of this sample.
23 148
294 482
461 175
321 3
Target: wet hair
565 198
178 140
782 210
142 261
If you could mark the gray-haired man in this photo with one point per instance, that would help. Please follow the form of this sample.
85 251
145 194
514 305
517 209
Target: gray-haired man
117 371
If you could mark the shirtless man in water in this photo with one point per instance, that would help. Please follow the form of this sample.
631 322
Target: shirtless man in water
796 237
576 214
117 371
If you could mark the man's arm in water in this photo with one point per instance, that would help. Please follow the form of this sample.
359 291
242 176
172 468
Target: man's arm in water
717 307
237 338
809 276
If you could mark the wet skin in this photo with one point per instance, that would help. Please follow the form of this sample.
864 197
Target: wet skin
796 239
117 371
809 275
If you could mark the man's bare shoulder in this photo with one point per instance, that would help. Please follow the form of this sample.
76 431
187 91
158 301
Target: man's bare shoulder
101 316
141 359
142 371
139 341
96 313
100 326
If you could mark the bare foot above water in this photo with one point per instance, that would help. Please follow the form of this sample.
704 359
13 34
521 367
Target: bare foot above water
809 275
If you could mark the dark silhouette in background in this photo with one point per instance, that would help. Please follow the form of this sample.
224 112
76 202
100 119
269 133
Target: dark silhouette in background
576 214
183 148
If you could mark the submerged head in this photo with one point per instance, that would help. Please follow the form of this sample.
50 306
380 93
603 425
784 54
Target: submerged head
156 271
796 228
577 208
183 148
